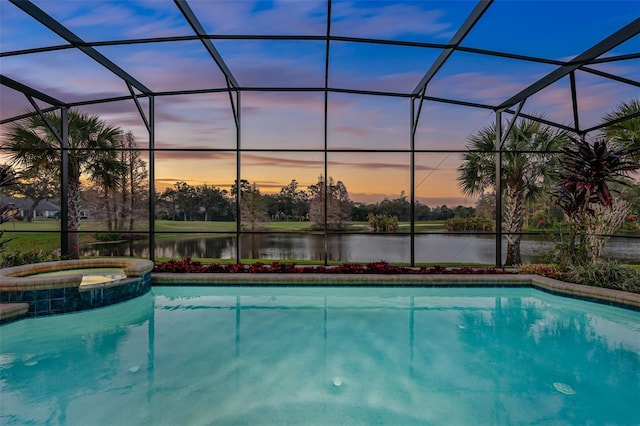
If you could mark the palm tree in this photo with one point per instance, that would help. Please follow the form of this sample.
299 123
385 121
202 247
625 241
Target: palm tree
8 177
527 166
625 133
35 148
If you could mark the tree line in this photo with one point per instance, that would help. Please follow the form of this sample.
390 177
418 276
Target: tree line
184 202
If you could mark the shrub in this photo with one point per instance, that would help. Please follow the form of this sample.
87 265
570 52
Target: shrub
470 224
107 236
18 258
187 265
546 270
607 274
383 222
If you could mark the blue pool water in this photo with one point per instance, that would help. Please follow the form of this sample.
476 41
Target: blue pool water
325 356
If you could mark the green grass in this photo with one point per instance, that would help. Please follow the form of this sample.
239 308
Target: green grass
32 236
196 226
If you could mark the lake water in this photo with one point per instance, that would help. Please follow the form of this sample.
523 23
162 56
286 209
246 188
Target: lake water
355 248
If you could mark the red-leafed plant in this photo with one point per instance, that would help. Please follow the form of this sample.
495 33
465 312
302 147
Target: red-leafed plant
587 171
187 265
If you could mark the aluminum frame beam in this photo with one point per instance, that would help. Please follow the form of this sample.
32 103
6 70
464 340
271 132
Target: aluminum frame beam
30 91
39 15
462 32
193 21
325 137
625 33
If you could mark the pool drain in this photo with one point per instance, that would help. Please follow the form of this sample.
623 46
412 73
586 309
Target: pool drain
564 388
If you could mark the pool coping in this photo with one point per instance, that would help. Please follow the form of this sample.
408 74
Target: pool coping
578 291
21 277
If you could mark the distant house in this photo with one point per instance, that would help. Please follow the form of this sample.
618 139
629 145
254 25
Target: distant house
44 210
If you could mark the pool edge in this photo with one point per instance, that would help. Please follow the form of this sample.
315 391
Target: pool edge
601 295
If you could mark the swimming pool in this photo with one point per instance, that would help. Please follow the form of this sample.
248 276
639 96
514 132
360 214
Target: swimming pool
326 356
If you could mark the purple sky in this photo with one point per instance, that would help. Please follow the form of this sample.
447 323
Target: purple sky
282 120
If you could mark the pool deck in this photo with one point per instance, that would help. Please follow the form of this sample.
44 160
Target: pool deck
595 294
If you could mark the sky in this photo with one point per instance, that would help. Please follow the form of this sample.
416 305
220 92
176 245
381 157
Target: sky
277 120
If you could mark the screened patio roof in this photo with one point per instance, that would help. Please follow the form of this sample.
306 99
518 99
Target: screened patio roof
571 61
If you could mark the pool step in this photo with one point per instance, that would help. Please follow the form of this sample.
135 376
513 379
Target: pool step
13 311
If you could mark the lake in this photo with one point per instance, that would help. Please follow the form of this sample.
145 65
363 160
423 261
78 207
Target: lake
438 248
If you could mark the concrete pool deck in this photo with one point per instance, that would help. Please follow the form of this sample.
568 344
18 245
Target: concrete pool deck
596 294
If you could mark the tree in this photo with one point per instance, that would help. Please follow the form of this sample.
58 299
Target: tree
8 178
133 182
625 133
338 204
120 204
37 187
399 207
214 202
185 201
486 206
527 168
291 202
244 187
107 182
33 146
253 209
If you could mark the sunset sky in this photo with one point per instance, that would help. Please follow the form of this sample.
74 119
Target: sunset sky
557 30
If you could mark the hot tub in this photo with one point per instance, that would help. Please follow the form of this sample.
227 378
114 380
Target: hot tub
72 285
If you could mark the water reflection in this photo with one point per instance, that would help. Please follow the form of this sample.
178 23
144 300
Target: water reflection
352 248
401 356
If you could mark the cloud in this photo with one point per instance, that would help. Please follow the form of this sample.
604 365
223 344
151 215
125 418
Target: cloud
491 89
280 161
260 102
351 130
387 21
277 17
369 166
70 76
132 19
169 66
287 63
218 156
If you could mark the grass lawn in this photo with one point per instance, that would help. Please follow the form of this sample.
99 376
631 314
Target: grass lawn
32 236
44 234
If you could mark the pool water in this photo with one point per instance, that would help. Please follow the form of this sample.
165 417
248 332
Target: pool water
326 356
89 275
